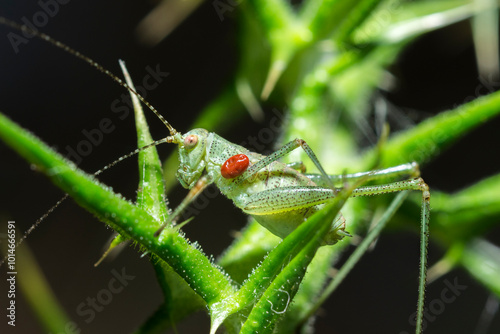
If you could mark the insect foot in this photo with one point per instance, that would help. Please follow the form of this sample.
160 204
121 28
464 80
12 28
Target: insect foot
337 232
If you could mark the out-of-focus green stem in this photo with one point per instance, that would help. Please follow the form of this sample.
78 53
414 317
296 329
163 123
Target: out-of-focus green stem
35 288
429 138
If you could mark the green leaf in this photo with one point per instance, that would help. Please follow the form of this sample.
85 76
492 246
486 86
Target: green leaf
281 264
283 270
248 250
151 192
179 299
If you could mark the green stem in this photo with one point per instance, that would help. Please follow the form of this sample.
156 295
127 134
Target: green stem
126 218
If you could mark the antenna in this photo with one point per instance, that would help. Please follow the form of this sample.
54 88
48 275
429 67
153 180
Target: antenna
169 139
89 61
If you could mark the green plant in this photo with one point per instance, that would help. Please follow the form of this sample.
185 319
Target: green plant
331 80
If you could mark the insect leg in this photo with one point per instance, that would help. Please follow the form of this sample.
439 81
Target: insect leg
408 169
291 205
191 196
358 252
287 148
277 200
413 184
298 165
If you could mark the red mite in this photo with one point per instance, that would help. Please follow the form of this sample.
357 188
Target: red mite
234 166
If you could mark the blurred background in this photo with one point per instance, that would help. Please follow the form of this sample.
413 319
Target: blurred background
57 96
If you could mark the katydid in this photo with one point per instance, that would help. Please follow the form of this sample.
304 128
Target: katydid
279 196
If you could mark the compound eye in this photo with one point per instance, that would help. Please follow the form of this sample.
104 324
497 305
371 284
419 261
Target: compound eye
190 141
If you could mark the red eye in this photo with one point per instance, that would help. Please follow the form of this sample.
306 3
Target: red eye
234 166
190 141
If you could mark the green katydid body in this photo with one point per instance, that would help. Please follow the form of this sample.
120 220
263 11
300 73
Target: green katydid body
278 197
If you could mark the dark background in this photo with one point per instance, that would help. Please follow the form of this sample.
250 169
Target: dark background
57 96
